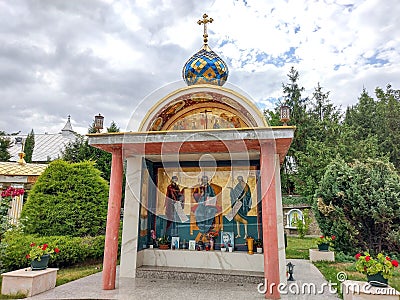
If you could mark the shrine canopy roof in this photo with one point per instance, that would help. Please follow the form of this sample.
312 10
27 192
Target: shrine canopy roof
222 144
197 120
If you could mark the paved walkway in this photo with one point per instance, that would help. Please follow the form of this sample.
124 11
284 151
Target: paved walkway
140 288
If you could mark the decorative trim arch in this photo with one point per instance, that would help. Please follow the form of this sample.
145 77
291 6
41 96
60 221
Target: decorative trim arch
182 98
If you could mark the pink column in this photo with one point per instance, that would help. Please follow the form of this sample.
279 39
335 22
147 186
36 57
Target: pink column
113 217
269 219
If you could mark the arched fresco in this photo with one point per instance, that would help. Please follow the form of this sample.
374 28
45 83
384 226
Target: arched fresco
203 107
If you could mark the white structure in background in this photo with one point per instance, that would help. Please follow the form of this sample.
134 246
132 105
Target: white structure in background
48 146
292 217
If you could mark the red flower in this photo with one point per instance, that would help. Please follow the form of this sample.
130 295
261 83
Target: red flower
333 237
44 246
358 256
395 263
28 256
33 245
321 237
56 250
388 258
367 258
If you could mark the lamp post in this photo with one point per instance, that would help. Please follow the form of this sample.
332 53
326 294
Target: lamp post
285 114
290 268
98 123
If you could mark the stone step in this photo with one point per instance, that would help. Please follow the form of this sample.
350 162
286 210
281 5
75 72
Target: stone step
198 274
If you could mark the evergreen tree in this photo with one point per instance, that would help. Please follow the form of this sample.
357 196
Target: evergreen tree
5 144
321 143
292 94
113 127
67 199
373 127
362 117
359 203
29 145
388 130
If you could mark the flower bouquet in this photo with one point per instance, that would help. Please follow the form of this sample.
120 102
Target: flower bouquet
163 242
40 255
324 242
378 269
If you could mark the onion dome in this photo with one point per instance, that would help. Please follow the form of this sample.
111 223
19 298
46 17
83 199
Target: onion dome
205 66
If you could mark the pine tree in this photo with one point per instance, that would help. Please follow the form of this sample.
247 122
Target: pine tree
113 127
5 144
29 145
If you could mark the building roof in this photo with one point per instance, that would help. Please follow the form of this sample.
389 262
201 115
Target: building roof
47 147
16 169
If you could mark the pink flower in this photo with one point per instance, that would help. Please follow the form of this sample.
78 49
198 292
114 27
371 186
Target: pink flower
33 245
367 258
333 237
44 246
358 256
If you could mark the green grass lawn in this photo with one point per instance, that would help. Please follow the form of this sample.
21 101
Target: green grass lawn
65 275
299 248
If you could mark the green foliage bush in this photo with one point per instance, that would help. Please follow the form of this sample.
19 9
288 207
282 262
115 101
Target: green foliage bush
73 250
360 204
342 257
302 225
67 199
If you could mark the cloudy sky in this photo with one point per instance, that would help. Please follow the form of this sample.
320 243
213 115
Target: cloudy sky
84 57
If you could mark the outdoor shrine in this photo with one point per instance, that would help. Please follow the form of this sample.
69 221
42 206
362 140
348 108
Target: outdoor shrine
202 172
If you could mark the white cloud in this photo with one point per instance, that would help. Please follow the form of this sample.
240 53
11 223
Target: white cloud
81 58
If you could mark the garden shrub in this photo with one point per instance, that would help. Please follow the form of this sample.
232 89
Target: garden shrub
360 204
73 250
67 199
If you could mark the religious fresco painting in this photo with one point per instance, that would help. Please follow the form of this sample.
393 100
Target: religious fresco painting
207 119
190 112
195 203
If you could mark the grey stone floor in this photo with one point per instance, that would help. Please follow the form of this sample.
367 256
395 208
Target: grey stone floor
141 288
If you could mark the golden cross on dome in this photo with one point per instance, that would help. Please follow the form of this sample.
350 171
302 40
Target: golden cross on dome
204 22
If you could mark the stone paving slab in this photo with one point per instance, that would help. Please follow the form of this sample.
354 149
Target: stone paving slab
141 288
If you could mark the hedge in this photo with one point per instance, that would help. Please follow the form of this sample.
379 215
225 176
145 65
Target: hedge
73 250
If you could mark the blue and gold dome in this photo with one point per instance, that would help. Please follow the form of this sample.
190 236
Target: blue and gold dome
205 66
